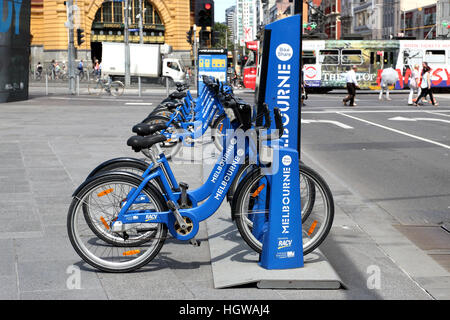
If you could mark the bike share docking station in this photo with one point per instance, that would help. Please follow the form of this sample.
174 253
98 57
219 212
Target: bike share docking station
281 263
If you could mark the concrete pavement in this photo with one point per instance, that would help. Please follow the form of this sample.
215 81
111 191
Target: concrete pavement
50 144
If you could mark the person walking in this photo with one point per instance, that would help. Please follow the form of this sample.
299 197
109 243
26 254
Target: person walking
414 79
425 85
352 85
39 69
97 68
388 78
81 70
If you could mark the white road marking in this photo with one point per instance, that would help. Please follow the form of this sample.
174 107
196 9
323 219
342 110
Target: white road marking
328 111
438 113
139 103
418 119
91 99
396 131
336 123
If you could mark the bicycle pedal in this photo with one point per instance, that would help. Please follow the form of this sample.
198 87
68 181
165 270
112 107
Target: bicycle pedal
195 242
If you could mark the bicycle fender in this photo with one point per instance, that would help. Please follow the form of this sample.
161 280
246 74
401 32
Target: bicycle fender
85 182
109 162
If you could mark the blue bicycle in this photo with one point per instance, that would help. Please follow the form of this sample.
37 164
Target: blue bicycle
134 215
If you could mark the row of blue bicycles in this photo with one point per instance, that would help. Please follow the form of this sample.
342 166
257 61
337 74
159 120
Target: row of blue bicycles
120 216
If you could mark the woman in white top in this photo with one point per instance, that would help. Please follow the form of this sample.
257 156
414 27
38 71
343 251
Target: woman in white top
425 85
413 83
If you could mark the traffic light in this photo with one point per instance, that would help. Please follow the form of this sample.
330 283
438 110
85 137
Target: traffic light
215 38
189 36
205 36
204 13
80 36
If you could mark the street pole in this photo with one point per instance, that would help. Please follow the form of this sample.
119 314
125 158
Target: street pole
71 48
195 56
127 43
298 9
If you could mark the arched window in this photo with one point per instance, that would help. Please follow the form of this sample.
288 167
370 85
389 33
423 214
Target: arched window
113 12
151 16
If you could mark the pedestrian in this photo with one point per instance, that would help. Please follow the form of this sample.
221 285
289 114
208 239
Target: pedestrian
425 85
97 68
352 85
304 94
53 69
388 78
414 79
39 70
81 70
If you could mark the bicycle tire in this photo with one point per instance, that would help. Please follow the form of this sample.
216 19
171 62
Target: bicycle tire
216 131
307 190
122 166
117 88
102 263
240 210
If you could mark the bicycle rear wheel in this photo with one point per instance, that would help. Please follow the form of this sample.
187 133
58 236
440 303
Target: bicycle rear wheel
117 88
120 255
251 205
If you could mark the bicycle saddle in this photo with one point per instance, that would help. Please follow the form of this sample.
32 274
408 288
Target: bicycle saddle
143 129
171 105
177 95
137 143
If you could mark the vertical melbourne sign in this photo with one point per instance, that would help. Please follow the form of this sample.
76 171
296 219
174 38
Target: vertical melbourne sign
211 62
283 76
14 49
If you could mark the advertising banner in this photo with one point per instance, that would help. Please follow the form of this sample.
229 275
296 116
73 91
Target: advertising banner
14 49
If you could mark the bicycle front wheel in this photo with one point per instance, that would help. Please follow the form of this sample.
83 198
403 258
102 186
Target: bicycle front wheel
117 88
252 210
105 195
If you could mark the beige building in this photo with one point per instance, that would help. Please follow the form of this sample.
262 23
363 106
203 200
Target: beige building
165 21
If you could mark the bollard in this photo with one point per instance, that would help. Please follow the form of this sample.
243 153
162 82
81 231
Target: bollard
167 85
78 84
139 86
46 84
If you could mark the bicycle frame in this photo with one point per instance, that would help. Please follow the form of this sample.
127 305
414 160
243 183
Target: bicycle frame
214 191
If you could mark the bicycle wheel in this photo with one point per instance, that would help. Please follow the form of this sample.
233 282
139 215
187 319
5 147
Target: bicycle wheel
250 205
307 189
218 130
105 195
95 87
117 88
137 168
170 147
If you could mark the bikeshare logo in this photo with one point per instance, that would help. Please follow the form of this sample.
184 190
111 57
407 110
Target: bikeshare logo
286 160
284 52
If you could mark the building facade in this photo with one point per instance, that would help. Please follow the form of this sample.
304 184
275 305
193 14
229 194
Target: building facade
230 20
246 21
104 21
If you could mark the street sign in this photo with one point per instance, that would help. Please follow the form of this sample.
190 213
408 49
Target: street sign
211 62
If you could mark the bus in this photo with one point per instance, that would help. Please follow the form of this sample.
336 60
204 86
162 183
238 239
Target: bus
325 62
